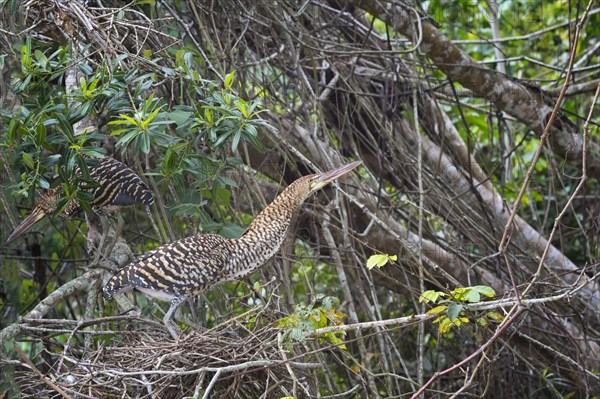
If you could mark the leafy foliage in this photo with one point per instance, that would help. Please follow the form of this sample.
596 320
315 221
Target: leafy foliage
187 114
145 124
306 319
451 306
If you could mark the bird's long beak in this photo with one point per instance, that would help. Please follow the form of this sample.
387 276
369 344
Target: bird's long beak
327 177
36 215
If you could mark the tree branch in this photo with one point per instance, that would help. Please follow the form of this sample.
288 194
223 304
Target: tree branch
524 102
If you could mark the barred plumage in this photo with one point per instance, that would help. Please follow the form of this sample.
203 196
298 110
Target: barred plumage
184 268
117 185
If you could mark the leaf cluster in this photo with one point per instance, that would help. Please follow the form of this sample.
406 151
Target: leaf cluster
306 319
451 306
191 144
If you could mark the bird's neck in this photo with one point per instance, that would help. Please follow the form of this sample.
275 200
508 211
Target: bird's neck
266 233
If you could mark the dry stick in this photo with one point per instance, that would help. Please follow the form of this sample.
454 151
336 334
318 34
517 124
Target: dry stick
335 254
198 45
212 383
289 369
224 369
373 324
547 348
370 305
529 36
39 373
372 216
508 228
159 207
339 395
421 326
582 181
480 306
565 358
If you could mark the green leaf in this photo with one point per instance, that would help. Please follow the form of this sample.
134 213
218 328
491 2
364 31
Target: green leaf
150 117
41 58
188 59
236 140
145 143
497 317
431 296
229 79
26 52
85 68
437 309
454 310
445 326
40 134
93 152
378 260
28 160
471 295
179 115
43 183
187 209
335 340
128 120
228 181
484 290
231 230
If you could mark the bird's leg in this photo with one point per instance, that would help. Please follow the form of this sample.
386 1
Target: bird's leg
182 319
203 311
191 304
167 320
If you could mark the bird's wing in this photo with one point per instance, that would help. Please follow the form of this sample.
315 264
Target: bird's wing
181 268
119 185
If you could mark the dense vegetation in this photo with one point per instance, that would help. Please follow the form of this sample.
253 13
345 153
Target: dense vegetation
460 259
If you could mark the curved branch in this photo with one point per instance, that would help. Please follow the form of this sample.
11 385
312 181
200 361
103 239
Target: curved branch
81 283
524 102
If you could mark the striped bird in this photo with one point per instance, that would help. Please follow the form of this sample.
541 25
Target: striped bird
177 271
117 185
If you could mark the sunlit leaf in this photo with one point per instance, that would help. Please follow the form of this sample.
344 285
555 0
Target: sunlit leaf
495 316
378 260
437 309
484 290
431 296
229 79
471 295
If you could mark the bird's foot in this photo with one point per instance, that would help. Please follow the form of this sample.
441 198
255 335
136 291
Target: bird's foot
183 320
173 328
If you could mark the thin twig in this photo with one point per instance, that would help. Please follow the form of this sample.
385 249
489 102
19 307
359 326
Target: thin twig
39 373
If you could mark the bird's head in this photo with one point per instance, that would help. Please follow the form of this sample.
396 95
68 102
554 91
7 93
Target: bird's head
320 180
44 206
297 192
